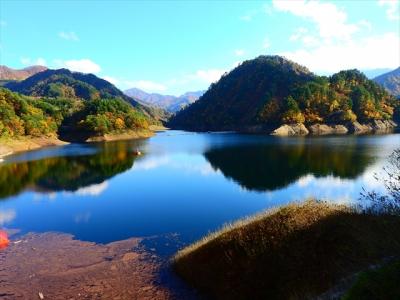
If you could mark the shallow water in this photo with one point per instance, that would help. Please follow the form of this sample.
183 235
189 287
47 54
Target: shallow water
183 186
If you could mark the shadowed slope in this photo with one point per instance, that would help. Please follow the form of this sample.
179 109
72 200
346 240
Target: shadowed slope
295 252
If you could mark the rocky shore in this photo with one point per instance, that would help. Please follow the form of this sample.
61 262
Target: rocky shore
376 126
56 266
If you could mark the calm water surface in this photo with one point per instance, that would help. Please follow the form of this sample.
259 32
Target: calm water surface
184 184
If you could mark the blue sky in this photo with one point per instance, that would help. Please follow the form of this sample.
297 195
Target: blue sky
173 47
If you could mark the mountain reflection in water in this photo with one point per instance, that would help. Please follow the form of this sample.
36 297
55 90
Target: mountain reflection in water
66 173
273 166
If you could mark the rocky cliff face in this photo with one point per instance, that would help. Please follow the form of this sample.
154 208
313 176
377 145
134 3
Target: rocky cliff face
376 126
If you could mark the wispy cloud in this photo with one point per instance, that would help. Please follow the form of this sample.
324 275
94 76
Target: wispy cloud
113 80
392 9
3 23
69 36
27 61
84 65
209 76
335 43
361 54
329 19
239 52
201 76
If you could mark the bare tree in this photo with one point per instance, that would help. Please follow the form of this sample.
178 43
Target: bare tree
389 201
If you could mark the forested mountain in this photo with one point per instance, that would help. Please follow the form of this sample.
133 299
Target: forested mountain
63 83
271 90
32 116
390 81
7 73
168 102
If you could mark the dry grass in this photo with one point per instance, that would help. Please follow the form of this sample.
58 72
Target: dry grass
296 251
229 228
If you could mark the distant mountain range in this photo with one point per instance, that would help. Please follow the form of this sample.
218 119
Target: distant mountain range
9 74
390 81
372 73
168 102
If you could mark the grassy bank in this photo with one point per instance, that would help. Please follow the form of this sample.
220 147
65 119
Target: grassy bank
297 251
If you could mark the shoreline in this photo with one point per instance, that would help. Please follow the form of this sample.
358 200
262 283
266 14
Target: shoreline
315 129
61 267
127 135
9 146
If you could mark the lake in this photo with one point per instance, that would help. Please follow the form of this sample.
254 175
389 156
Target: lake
183 186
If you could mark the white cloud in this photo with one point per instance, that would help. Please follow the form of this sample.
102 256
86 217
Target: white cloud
365 53
69 36
111 79
80 65
7 216
30 62
239 52
392 9
330 20
210 75
335 43
3 23
93 190
41 61
147 85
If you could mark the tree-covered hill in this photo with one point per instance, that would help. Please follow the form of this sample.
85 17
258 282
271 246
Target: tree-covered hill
390 81
22 115
64 83
271 90
74 85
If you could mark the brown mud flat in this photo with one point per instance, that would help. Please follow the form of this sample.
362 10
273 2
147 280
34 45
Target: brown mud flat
59 267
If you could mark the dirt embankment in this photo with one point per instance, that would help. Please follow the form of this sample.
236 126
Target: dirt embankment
59 267
10 146
127 135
